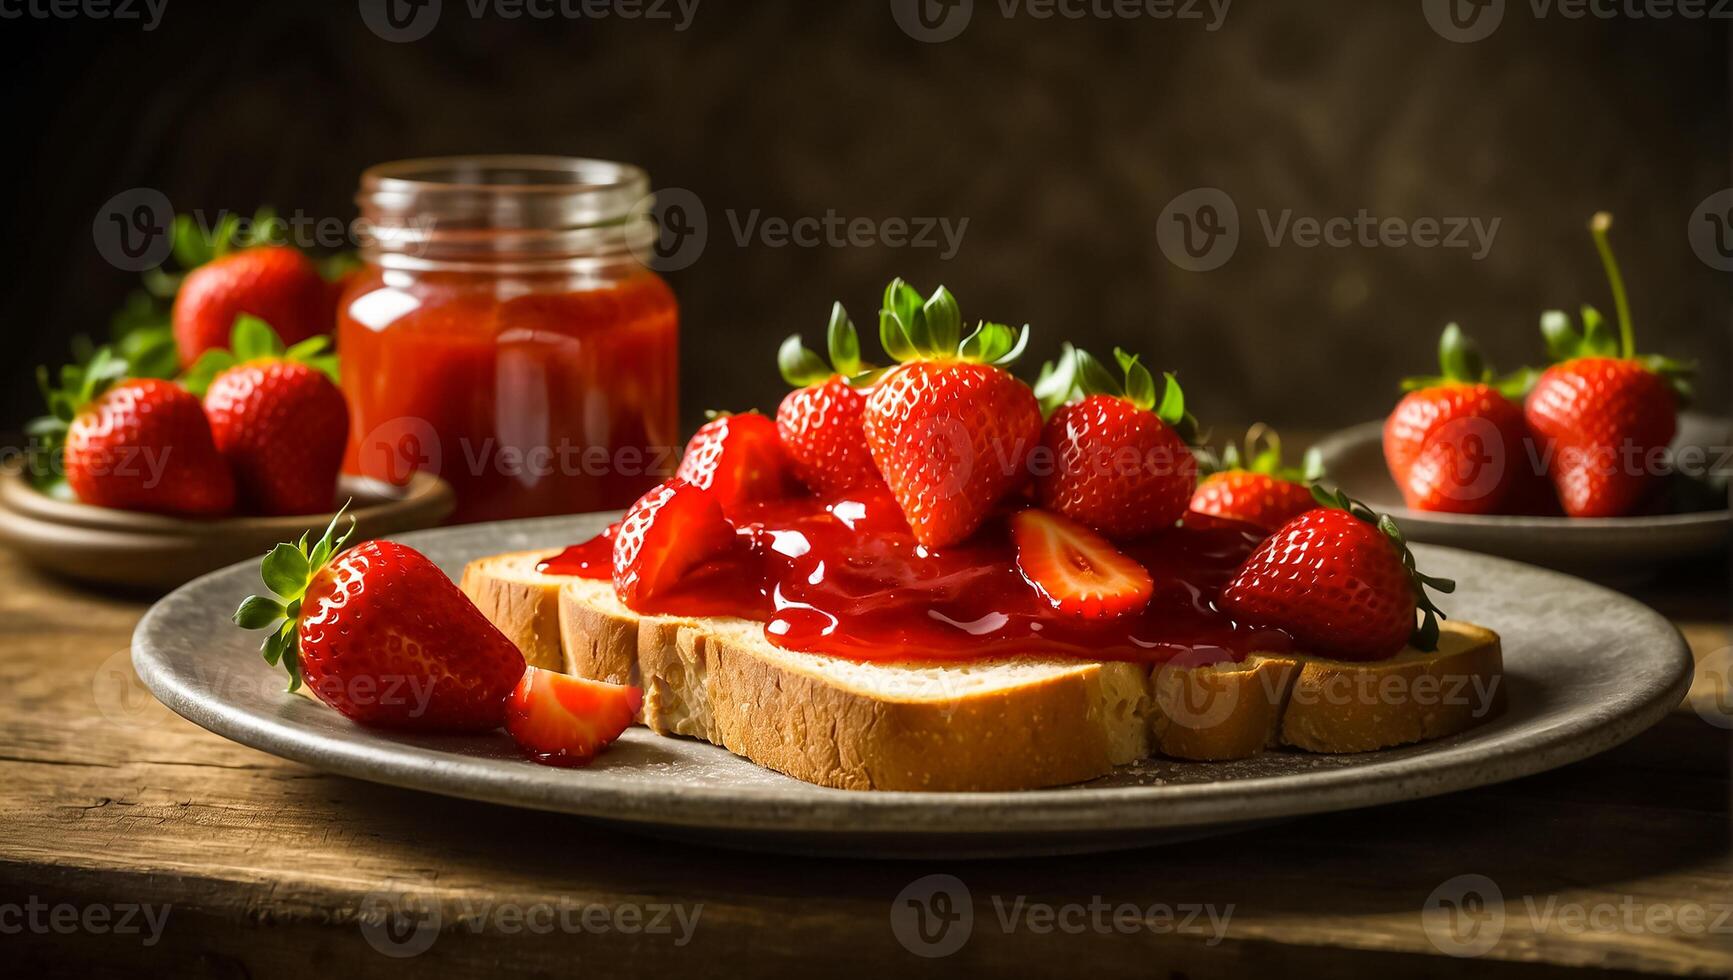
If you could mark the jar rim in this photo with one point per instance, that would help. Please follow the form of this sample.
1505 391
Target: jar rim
517 210
592 174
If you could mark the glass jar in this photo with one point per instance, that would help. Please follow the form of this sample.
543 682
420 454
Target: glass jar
504 334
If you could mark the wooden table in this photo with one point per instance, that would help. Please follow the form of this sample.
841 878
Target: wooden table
113 808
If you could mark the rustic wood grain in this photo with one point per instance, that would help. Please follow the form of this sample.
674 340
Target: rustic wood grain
267 865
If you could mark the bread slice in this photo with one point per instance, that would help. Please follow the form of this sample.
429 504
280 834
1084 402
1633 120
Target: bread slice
1010 723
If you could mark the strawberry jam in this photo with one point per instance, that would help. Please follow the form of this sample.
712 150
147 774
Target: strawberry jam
848 579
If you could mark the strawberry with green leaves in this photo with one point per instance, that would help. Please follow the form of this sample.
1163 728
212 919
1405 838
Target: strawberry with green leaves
820 421
380 634
1118 460
1457 442
140 444
236 270
1255 488
1341 581
277 416
1604 413
949 429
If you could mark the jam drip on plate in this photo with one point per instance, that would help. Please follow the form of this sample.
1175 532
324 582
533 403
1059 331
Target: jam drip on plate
847 578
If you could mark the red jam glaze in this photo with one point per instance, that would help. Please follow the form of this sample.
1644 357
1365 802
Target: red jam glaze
849 580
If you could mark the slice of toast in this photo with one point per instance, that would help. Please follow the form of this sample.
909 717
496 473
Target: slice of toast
1011 723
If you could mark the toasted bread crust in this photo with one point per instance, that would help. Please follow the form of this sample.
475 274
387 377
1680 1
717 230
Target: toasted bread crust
798 714
523 603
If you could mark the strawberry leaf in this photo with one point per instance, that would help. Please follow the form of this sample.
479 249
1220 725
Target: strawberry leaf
287 571
284 571
944 322
843 342
800 367
252 339
1058 380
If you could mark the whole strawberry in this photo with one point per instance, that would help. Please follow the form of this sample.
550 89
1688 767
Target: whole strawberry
275 283
949 429
1603 414
738 459
821 420
1457 443
1117 460
1256 488
277 417
1341 581
141 444
382 635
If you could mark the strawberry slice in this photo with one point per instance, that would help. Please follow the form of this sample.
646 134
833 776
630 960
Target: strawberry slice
1075 569
560 720
668 532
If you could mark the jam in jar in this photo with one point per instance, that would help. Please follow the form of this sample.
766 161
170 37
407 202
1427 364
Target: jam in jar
505 335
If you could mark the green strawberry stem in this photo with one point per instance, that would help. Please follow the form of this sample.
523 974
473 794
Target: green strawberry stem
1460 362
913 329
1263 454
1599 225
1425 636
1093 378
801 367
1564 342
251 340
287 571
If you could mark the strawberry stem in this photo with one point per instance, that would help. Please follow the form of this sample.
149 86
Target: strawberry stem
287 571
1599 225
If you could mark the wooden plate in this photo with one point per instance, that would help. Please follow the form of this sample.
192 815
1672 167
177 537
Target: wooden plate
1609 549
116 547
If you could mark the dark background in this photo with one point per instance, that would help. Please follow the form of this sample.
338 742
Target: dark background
1059 140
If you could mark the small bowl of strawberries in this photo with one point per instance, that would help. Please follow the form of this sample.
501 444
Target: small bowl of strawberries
1591 465
148 482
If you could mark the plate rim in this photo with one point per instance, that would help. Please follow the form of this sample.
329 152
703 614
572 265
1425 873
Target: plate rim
1447 765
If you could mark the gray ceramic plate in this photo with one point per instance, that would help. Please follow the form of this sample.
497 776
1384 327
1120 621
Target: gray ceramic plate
1612 549
1587 668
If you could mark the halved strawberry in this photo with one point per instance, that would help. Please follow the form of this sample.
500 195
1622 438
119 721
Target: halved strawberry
561 720
738 458
1075 569
663 536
